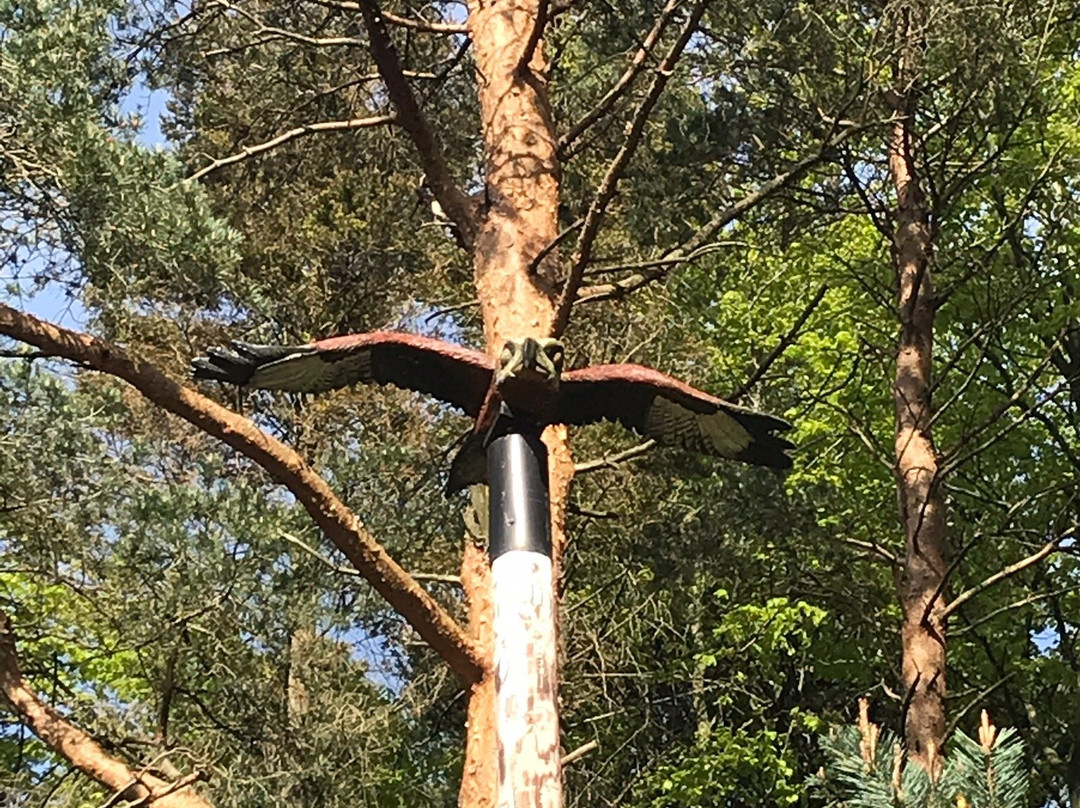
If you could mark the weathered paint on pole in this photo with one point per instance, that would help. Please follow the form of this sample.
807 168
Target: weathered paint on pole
526 681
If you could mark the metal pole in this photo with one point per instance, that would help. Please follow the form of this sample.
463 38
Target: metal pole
526 680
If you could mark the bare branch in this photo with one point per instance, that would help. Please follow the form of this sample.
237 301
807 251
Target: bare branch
620 87
402 22
1002 574
424 25
690 249
612 461
555 242
606 192
1016 604
353 572
437 628
876 549
460 209
978 698
652 263
268 33
78 748
292 134
6 354
955 459
785 342
579 753
534 37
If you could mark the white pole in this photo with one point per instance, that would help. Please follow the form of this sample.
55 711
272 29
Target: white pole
526 672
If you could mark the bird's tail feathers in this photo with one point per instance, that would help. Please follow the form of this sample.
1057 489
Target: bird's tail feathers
469 466
237 364
766 448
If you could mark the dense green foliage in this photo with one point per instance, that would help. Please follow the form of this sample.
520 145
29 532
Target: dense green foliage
717 619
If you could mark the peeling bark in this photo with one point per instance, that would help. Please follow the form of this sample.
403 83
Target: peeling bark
521 174
479 777
518 221
78 748
922 509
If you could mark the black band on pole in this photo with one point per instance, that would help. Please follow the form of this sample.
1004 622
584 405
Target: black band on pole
518 512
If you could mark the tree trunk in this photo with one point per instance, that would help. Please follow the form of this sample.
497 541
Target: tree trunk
518 219
921 507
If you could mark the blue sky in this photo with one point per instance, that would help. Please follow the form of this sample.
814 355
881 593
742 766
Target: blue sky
52 302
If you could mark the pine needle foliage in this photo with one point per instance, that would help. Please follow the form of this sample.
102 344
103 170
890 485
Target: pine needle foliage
867 768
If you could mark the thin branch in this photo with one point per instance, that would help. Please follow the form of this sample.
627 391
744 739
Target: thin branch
1002 574
402 22
8 354
435 315
75 746
954 565
434 577
424 25
875 548
555 242
956 460
1016 604
156 795
877 218
268 33
686 251
292 134
437 628
606 192
460 209
437 578
652 263
612 461
311 551
589 513
539 24
624 82
579 753
785 342
978 698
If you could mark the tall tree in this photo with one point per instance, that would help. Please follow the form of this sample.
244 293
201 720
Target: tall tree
672 184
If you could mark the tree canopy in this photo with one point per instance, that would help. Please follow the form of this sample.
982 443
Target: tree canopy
731 210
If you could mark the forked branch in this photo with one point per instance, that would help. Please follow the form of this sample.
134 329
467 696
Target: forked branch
606 192
637 63
455 204
411 23
292 134
78 748
1002 574
692 247
437 628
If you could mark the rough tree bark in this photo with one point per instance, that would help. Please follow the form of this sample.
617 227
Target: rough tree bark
922 509
517 221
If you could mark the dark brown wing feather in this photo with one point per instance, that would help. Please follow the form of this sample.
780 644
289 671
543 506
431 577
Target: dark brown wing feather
459 376
673 413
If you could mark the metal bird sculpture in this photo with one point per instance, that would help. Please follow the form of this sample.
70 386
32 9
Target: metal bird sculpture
528 379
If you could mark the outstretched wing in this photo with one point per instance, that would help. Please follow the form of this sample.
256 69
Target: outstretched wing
459 376
673 413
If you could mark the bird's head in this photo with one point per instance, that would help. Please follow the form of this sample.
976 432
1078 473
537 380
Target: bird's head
539 360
